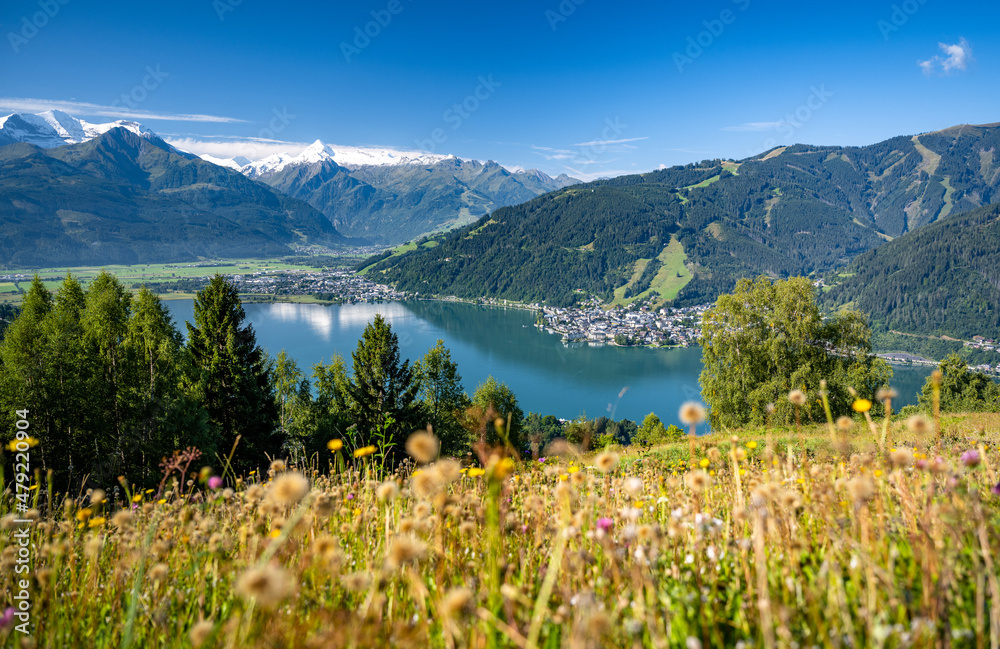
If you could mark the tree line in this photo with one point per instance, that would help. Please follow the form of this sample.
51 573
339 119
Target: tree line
113 388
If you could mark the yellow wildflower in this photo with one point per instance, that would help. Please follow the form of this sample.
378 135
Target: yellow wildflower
364 451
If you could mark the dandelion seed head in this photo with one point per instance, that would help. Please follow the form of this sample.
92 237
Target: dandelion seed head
698 481
456 603
405 549
387 491
423 446
268 585
607 461
288 489
917 424
200 632
691 413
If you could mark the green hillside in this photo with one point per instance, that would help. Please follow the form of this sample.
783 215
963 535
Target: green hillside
943 279
795 210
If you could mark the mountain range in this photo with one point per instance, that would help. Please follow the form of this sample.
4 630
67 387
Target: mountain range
686 234
125 196
391 197
377 195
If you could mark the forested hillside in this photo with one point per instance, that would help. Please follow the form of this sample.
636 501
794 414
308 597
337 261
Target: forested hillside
795 210
942 279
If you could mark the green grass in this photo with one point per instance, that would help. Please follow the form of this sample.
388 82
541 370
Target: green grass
134 276
930 161
672 276
704 183
732 167
638 270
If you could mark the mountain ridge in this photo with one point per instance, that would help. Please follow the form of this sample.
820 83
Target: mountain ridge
403 194
121 198
798 209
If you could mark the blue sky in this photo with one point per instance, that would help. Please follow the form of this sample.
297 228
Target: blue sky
585 87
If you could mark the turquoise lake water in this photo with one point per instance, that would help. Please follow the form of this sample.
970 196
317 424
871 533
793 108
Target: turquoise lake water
547 376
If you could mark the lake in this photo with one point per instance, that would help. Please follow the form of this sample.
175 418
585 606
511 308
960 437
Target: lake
546 376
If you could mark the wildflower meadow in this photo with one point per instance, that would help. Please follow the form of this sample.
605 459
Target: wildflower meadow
859 533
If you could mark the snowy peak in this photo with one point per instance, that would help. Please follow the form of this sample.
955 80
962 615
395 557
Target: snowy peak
349 157
236 164
316 152
55 128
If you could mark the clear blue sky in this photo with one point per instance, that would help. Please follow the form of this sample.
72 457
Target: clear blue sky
590 89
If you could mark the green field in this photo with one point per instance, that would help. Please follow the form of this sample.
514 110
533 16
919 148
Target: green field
134 276
672 276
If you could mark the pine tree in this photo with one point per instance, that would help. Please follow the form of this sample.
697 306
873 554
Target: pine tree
25 377
443 398
383 391
71 371
105 323
233 376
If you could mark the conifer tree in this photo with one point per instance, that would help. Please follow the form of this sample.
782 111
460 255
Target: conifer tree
443 397
383 390
233 377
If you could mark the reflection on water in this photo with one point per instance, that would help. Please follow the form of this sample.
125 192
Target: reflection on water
326 321
319 320
547 376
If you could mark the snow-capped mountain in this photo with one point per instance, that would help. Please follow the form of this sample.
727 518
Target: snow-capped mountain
349 157
381 194
55 128
236 164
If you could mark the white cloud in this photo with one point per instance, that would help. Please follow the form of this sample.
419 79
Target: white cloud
956 57
610 142
753 127
588 176
230 147
30 105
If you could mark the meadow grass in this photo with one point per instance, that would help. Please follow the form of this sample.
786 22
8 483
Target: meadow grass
792 537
